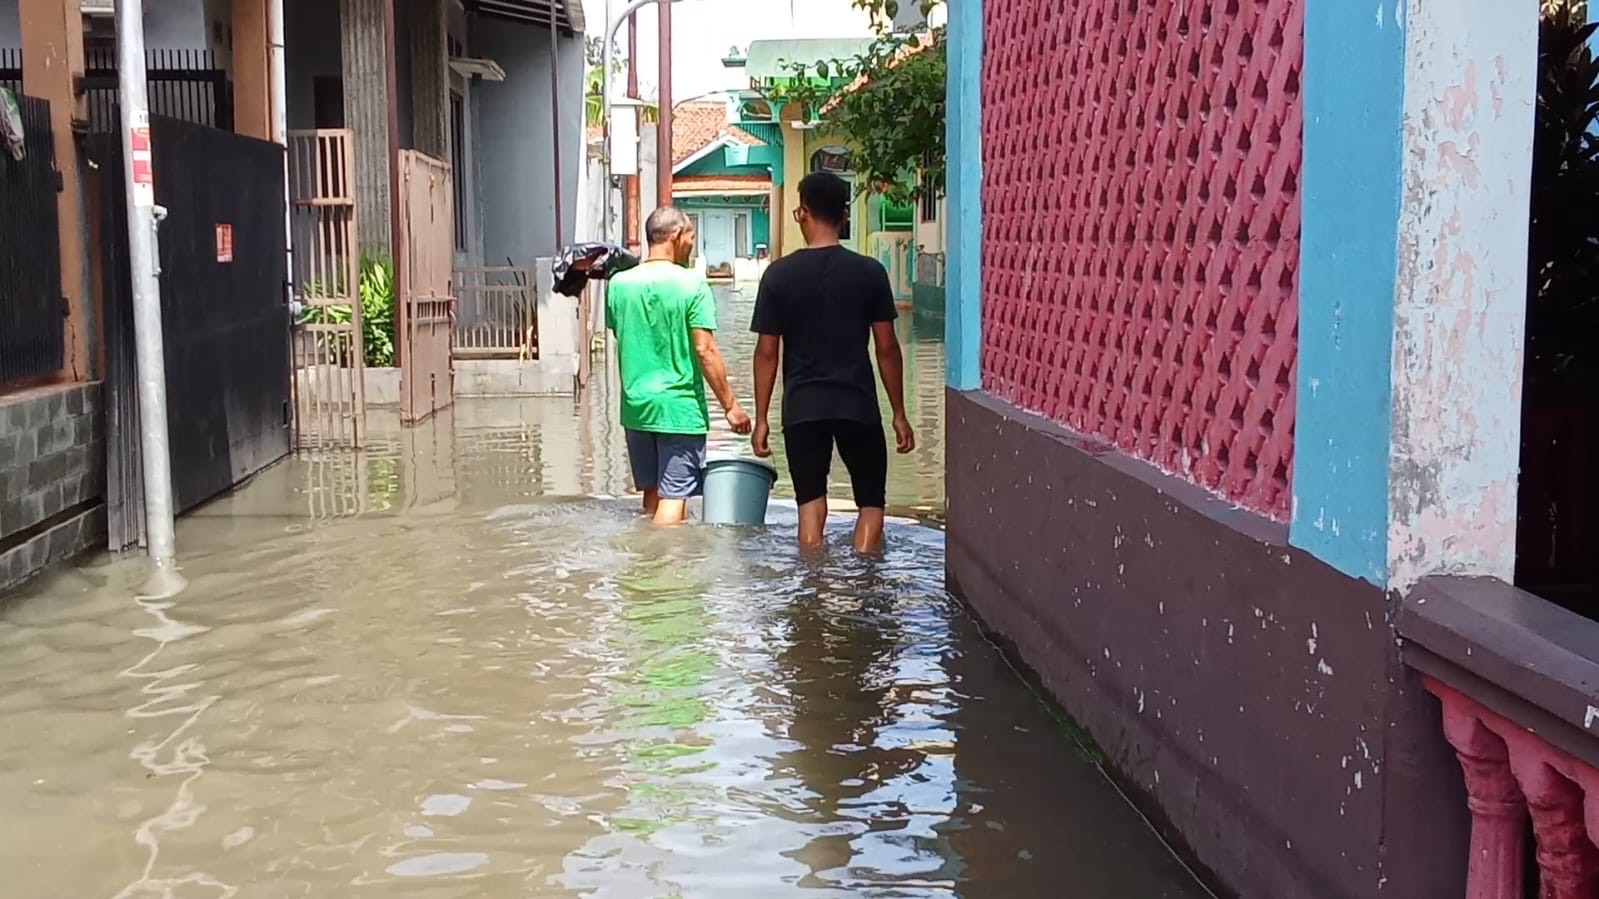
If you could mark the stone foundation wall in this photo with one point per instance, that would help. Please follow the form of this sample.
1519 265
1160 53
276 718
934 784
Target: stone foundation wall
52 478
1250 694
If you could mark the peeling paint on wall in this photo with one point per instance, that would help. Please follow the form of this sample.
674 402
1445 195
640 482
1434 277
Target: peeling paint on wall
1460 305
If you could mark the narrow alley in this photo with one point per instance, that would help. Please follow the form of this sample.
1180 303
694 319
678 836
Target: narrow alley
443 667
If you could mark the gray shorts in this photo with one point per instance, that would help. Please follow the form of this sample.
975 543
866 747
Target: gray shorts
672 463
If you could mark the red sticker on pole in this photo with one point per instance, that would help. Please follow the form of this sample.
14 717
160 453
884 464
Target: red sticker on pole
143 164
224 243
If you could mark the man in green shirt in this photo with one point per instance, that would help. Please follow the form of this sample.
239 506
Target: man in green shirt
664 319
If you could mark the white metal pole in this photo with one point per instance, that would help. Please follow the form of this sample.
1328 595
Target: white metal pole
143 219
613 23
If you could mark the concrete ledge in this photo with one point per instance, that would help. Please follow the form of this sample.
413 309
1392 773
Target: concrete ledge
59 544
1518 654
508 377
1252 695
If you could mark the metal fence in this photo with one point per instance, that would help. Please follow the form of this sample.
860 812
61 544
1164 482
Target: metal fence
183 84
930 269
328 365
32 341
496 313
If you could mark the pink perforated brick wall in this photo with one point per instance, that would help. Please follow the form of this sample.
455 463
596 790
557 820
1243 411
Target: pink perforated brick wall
1141 228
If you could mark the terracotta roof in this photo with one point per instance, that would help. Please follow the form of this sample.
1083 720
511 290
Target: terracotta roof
696 126
924 42
720 184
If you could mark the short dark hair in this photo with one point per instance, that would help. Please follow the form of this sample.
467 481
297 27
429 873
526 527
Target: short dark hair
664 224
826 196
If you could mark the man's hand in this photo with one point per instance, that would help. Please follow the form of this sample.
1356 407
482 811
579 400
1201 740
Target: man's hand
904 436
761 443
738 419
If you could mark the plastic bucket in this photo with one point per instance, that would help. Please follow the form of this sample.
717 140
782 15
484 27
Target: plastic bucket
737 490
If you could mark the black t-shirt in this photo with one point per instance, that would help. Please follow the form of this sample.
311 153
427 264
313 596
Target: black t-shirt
822 303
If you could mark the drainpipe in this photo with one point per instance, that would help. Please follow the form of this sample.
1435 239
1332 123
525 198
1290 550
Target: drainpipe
632 212
144 217
663 100
555 130
391 75
278 78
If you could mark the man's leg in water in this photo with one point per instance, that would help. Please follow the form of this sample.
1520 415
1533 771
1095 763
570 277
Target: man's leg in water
810 457
865 453
682 475
644 459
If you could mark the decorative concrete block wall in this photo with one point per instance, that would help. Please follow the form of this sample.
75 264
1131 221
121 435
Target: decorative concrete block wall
1236 294
52 478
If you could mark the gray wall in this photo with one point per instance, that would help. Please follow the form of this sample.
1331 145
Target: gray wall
514 153
311 50
168 24
52 461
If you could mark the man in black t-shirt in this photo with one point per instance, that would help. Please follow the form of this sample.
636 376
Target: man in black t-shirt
816 310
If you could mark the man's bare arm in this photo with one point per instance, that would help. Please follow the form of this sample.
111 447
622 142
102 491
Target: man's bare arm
768 352
891 367
715 369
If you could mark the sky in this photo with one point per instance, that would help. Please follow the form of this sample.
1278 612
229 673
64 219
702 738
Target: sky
704 30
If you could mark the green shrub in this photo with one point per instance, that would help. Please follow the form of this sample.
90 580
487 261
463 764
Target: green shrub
377 295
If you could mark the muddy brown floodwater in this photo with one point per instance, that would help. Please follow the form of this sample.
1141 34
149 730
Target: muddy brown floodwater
442 668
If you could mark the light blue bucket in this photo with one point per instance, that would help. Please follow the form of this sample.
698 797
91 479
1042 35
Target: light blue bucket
737 490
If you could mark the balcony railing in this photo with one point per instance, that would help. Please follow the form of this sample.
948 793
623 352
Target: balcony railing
1519 681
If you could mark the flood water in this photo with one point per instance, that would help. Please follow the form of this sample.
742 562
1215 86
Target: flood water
444 669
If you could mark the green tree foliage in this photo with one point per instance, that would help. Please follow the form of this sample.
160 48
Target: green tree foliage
594 83
1563 311
888 102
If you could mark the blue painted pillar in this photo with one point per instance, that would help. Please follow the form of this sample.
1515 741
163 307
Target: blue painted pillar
1354 99
1418 154
963 288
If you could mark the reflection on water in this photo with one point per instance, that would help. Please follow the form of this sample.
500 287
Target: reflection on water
438 670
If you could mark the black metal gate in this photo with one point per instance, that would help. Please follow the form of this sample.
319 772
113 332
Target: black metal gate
224 314
32 339
182 84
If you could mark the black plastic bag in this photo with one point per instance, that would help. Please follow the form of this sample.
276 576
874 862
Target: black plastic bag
585 262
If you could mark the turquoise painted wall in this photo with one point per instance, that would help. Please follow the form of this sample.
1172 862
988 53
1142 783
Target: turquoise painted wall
963 321
760 163
760 215
763 227
1354 104
716 164
772 153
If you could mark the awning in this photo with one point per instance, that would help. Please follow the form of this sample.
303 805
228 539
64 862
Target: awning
721 186
568 13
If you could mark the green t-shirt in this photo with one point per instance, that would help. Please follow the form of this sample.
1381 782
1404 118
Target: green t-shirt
653 310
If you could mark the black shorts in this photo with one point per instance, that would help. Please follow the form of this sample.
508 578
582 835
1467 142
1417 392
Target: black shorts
860 445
